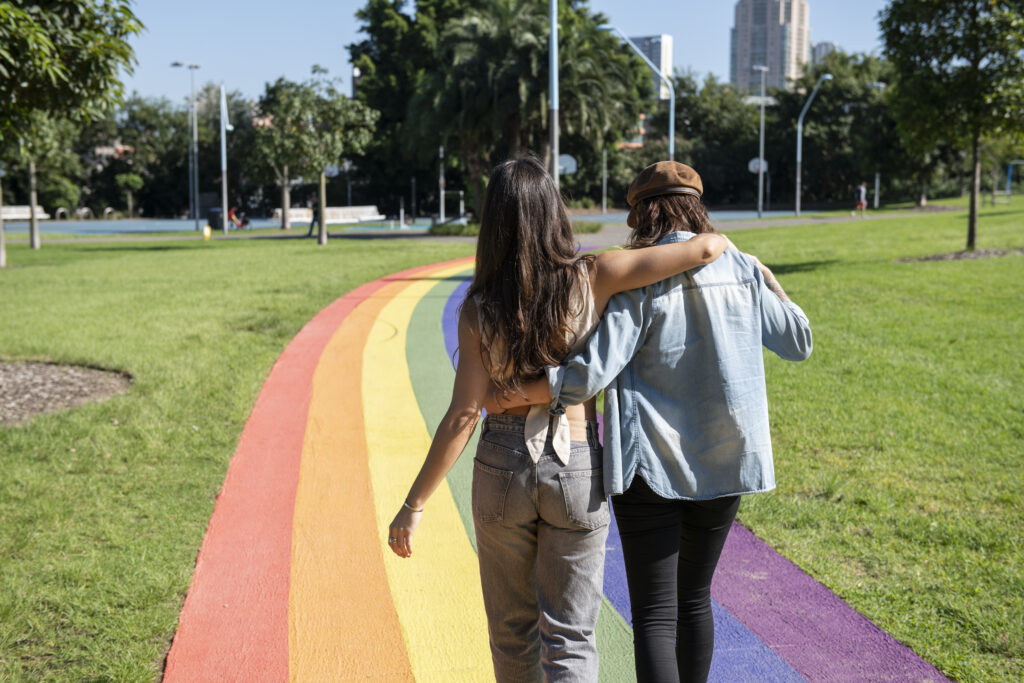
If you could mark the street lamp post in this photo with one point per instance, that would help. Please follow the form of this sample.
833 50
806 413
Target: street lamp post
800 135
667 81
193 159
553 86
225 126
760 155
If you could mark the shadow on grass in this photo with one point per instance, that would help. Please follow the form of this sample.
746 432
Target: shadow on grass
136 247
804 267
452 278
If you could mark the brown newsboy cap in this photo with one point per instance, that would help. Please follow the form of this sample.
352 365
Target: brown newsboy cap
664 177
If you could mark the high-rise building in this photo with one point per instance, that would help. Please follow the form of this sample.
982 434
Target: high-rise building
775 33
819 50
658 49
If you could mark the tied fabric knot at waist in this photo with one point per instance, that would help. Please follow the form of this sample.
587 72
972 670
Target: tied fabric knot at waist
539 422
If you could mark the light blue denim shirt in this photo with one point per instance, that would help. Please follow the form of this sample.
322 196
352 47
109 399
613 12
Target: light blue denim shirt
681 364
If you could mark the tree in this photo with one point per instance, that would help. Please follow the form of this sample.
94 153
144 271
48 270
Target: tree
61 56
150 140
281 134
338 126
129 182
399 50
959 73
491 99
45 148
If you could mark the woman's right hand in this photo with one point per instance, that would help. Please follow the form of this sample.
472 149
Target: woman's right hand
401 530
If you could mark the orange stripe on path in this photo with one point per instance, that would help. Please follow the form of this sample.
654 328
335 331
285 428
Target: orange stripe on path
342 620
234 624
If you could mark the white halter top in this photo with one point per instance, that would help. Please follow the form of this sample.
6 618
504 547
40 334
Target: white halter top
538 419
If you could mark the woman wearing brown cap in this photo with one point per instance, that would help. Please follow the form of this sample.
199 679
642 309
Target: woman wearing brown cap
686 417
539 510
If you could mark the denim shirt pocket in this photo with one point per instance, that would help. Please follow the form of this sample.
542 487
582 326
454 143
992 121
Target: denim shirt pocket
489 490
585 502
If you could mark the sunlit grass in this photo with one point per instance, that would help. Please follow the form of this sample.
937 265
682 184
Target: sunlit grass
897 445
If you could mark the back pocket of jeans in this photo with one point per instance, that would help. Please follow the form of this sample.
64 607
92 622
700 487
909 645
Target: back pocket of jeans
490 488
585 502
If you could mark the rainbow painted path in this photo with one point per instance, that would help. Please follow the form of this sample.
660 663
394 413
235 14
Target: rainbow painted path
294 582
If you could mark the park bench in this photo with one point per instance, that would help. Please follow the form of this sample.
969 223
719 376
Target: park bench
335 214
20 212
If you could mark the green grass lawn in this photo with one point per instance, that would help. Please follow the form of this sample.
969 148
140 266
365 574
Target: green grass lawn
898 445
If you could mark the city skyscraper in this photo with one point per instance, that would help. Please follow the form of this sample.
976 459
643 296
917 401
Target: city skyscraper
658 49
821 50
775 33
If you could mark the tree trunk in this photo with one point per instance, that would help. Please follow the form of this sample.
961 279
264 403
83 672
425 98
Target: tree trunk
286 200
922 198
322 200
3 245
474 179
545 152
33 218
972 213
129 193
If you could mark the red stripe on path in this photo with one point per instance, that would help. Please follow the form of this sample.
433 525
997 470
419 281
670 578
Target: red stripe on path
234 624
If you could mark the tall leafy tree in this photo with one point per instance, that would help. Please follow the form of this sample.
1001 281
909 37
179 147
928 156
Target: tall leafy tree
400 48
491 99
154 136
61 56
281 134
960 73
338 127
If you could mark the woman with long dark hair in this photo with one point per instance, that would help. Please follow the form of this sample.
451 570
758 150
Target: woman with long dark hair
539 508
686 416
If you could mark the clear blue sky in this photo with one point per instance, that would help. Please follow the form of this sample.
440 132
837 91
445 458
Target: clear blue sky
244 44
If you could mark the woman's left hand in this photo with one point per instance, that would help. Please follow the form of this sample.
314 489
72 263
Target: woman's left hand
401 531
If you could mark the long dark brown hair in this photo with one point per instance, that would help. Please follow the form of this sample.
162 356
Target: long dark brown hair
659 215
527 270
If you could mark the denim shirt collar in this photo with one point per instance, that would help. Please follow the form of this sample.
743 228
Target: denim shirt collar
676 236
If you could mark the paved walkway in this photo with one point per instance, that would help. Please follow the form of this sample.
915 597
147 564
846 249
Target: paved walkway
294 580
613 233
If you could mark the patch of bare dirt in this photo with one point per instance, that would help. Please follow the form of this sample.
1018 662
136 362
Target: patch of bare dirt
29 389
961 255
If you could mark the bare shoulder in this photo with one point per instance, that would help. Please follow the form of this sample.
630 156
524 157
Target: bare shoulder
468 316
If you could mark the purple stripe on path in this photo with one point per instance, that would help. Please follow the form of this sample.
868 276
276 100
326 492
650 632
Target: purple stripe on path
821 636
739 655
450 318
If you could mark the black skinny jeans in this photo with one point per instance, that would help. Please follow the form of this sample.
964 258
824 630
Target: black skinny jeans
671 549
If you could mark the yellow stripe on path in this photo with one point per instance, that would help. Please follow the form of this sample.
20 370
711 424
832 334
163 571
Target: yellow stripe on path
341 622
436 592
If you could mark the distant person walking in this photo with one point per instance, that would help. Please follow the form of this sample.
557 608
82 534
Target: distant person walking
862 200
313 221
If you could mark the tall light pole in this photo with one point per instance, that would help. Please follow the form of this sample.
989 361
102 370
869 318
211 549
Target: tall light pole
553 86
193 159
440 182
880 86
225 126
800 135
666 80
760 154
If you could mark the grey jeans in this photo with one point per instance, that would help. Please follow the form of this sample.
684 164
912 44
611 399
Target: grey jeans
540 532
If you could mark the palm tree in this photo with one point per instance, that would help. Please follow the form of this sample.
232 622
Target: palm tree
492 96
